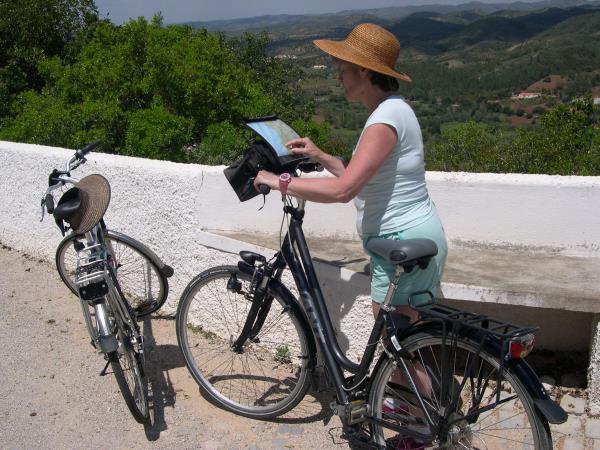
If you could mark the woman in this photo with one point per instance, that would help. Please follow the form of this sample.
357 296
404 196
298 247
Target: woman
386 175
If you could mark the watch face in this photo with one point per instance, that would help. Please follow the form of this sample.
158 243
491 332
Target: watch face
286 177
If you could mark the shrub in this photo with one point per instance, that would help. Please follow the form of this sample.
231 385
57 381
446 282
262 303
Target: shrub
222 143
157 134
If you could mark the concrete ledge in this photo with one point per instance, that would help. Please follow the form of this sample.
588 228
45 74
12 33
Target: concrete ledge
546 292
478 273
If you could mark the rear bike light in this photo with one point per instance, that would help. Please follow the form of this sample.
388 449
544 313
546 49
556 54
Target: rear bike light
519 347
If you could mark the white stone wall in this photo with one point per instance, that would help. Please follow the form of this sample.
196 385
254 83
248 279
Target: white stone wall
170 206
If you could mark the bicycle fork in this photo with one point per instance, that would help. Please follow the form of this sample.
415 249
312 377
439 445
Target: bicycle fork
261 304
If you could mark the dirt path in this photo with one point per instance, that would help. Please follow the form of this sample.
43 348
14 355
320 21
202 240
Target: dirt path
52 396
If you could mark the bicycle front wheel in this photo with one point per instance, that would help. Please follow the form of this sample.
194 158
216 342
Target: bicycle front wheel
142 284
264 378
127 365
505 422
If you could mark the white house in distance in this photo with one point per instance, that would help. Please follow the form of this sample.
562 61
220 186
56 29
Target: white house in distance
526 95
596 95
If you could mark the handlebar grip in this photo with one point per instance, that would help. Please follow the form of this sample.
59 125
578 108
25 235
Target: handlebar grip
88 148
264 189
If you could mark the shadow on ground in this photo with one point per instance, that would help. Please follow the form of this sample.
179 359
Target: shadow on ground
161 393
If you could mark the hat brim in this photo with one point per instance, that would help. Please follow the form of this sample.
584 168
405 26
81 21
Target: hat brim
341 50
95 197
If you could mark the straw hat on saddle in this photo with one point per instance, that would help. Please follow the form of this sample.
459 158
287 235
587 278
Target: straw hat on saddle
369 46
93 193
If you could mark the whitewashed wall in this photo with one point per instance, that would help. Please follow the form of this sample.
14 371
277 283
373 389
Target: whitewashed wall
168 206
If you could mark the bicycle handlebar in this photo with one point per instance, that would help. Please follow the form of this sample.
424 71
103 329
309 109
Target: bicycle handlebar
58 178
264 189
310 166
80 154
304 166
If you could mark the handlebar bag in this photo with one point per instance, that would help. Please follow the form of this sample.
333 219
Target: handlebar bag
259 156
242 172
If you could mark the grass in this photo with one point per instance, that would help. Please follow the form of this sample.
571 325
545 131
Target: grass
282 354
197 329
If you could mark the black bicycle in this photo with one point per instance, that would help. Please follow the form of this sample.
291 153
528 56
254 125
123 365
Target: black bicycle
98 271
453 379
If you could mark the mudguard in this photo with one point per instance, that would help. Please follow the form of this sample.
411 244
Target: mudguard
165 270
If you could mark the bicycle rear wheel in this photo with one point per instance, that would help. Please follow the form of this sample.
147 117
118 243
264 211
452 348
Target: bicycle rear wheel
268 376
141 281
472 383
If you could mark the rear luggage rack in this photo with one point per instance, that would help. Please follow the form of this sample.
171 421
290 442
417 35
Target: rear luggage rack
498 329
91 265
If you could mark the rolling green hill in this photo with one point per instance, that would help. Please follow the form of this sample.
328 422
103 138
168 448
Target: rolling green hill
466 61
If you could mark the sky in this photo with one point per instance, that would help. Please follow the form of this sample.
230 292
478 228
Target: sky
173 11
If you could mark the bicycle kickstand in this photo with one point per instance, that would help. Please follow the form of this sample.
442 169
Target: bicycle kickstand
103 371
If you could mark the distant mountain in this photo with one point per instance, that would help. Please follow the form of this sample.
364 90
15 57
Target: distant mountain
326 23
506 28
432 33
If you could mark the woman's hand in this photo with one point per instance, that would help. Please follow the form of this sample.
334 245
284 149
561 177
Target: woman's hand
305 147
268 178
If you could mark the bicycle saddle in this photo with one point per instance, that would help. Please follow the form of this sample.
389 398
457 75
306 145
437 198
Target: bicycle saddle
407 253
68 204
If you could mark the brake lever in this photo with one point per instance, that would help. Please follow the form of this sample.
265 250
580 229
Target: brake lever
79 162
43 206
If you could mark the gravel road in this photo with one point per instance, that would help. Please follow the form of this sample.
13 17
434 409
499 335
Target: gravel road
53 397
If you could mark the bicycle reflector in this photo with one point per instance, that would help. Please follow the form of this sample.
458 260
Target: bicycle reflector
520 346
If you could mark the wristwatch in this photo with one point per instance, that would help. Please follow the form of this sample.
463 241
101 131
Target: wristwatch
284 180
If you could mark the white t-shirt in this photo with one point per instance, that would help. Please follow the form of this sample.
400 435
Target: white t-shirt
396 197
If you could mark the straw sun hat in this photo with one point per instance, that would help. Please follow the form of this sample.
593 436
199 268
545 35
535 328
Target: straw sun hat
369 46
93 194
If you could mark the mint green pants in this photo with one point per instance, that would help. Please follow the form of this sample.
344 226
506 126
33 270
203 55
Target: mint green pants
382 272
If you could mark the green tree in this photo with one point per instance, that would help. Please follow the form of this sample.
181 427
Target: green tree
282 78
470 147
565 143
31 30
147 90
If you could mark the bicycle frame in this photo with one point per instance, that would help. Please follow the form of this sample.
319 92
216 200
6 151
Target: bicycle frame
98 283
294 253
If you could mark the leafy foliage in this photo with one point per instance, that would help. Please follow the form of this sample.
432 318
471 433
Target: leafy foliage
565 143
31 30
156 92
157 134
67 78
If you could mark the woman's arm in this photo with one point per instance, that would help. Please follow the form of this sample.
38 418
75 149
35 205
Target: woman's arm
376 144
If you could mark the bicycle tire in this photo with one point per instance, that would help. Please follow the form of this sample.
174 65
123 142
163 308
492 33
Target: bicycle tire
265 380
513 424
142 283
128 362
126 366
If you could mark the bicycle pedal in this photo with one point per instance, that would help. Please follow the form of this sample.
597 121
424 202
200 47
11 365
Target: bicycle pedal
352 413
